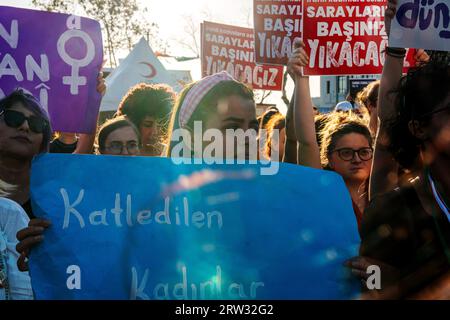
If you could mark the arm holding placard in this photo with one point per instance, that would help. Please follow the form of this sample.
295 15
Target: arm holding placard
86 140
33 234
384 176
305 131
290 145
28 238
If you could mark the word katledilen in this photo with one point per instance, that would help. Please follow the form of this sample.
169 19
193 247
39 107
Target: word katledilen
118 216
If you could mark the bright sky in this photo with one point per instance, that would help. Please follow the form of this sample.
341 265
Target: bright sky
170 16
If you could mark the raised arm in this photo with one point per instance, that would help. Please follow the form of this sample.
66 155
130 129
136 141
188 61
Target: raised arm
305 131
384 175
384 168
86 141
290 145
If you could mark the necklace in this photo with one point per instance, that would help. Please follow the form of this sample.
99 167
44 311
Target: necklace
438 198
444 208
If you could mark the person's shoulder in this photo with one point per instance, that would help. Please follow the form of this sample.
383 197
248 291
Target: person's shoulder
384 207
10 205
12 215
392 205
387 223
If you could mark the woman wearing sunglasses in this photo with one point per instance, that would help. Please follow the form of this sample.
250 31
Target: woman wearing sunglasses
24 132
346 145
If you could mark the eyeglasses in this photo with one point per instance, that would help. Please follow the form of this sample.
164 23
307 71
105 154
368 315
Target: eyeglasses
15 119
116 147
348 154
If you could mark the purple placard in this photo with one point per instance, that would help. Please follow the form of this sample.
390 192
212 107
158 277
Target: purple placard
57 58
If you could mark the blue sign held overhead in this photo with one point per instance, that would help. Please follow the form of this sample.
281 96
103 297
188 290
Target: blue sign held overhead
145 228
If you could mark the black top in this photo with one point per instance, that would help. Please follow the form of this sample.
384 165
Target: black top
56 146
27 207
398 231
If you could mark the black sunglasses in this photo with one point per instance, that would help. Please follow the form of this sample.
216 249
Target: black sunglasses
15 119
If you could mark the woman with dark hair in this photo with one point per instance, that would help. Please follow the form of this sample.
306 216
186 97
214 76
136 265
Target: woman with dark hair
346 144
386 172
24 132
408 228
216 102
118 136
149 107
346 148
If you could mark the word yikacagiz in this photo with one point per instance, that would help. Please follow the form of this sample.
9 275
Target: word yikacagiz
119 216
186 290
252 75
275 46
335 54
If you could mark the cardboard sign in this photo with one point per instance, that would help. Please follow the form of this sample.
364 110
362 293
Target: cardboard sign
356 85
345 37
146 228
277 25
57 58
419 25
232 49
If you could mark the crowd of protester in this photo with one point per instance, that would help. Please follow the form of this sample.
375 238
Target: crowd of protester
391 146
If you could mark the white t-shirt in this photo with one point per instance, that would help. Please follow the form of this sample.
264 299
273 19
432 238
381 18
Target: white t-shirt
18 284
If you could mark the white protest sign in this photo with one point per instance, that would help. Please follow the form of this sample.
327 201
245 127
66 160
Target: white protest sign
421 24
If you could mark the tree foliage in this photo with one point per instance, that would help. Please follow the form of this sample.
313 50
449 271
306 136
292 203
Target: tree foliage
122 22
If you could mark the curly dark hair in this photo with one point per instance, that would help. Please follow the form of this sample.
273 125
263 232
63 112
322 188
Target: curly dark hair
417 95
154 100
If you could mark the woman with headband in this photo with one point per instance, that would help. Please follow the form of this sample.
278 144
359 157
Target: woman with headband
215 102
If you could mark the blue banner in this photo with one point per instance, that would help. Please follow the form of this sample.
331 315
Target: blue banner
146 228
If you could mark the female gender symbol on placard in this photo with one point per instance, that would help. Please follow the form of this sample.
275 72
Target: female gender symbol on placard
75 80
